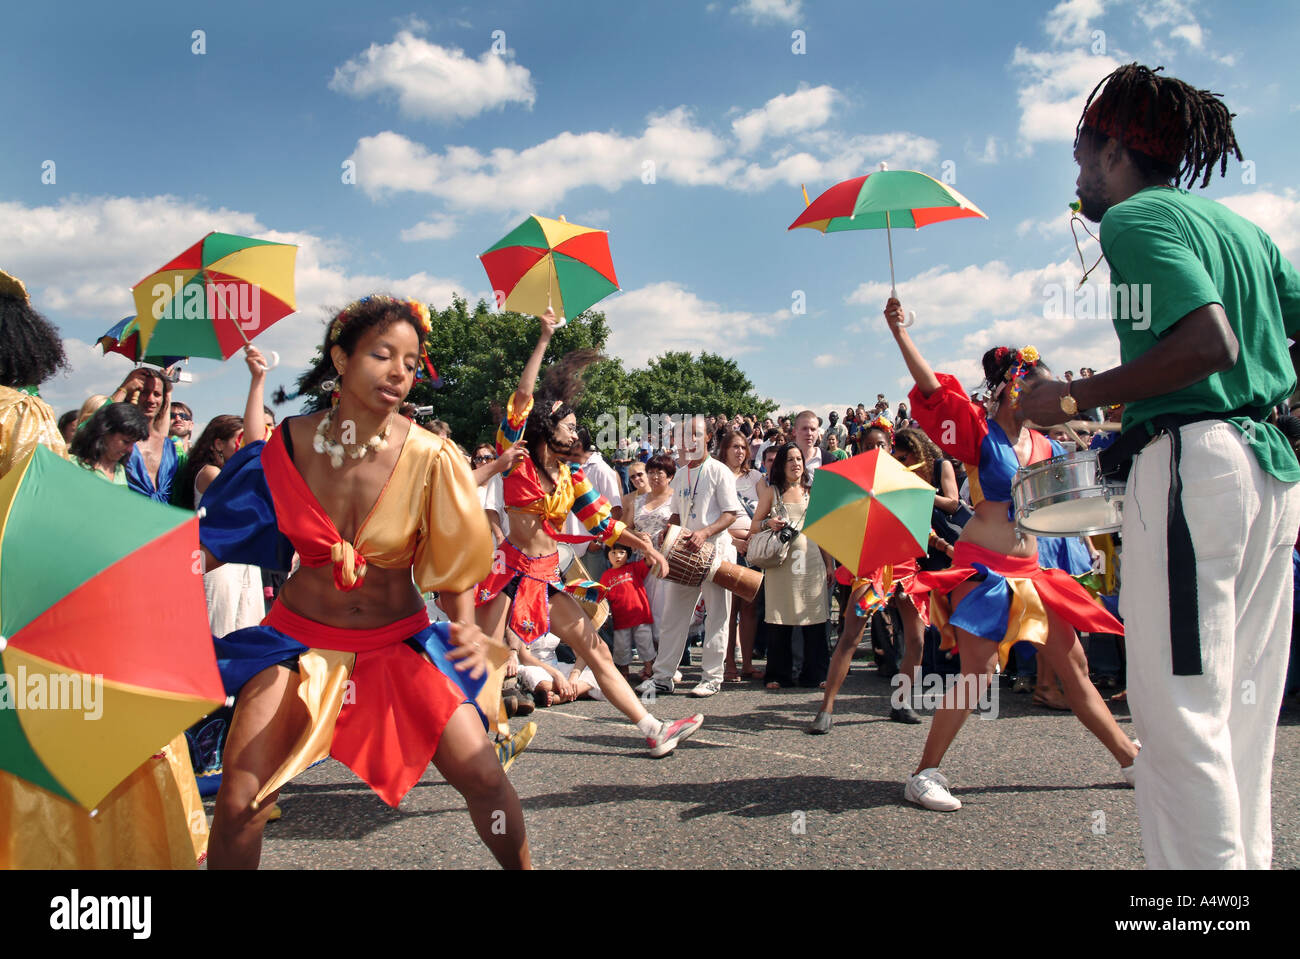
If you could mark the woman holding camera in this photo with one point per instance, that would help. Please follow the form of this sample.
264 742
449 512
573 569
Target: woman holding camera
797 589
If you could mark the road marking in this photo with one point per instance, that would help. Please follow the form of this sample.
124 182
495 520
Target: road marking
712 742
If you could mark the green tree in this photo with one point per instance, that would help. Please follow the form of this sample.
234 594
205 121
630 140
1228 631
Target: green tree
678 382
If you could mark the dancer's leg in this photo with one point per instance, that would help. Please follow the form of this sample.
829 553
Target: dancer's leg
491 618
842 657
1065 653
268 719
467 760
913 645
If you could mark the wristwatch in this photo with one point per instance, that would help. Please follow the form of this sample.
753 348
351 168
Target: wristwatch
1068 403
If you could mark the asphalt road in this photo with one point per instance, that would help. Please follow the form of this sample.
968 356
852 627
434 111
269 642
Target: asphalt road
752 790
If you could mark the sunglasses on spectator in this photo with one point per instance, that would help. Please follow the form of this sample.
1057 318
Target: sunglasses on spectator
482 458
178 415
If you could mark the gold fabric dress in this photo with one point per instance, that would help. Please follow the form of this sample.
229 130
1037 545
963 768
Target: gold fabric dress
154 819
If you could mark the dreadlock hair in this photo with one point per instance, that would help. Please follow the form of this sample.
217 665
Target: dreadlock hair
561 388
130 421
1191 128
205 453
345 330
30 349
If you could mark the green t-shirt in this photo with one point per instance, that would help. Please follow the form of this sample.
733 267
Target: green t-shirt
1170 253
838 455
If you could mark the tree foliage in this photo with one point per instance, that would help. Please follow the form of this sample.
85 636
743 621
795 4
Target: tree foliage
480 355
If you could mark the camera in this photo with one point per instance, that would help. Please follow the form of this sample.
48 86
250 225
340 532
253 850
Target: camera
786 533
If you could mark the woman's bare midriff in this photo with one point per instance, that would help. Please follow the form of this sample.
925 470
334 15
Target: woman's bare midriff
528 535
385 596
991 529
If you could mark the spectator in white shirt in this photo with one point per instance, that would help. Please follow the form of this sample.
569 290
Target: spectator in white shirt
836 429
705 504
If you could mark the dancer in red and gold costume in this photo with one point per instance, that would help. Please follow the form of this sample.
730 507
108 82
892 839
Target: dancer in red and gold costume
347 663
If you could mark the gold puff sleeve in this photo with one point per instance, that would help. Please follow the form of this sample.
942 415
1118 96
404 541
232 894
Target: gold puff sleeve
453 551
26 422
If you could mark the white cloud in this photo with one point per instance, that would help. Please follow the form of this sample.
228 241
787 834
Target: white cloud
1069 22
762 11
80 257
433 82
672 148
1191 32
666 316
992 152
1053 89
805 109
825 360
437 227
1277 214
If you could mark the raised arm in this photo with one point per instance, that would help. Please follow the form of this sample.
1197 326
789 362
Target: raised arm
919 369
528 380
254 414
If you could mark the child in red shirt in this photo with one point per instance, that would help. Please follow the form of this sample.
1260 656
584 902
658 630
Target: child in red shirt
624 587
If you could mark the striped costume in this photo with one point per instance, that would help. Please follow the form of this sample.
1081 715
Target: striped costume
530 581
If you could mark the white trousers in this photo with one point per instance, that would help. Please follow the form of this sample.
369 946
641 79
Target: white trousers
678 605
1204 773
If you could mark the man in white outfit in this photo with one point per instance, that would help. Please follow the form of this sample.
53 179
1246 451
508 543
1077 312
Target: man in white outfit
1204 306
705 504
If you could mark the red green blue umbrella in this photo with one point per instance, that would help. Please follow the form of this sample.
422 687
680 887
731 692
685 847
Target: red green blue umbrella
550 263
124 337
868 511
105 651
216 296
883 200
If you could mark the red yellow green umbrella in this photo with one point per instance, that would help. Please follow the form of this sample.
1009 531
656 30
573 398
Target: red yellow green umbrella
882 201
550 263
215 297
869 510
105 652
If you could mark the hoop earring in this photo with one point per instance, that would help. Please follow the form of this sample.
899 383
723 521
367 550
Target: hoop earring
330 385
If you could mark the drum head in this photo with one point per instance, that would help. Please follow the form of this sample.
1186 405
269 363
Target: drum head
1089 516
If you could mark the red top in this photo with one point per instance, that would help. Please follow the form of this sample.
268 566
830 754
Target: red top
624 587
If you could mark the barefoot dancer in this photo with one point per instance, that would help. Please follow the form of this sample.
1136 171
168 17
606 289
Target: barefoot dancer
996 593
347 663
525 588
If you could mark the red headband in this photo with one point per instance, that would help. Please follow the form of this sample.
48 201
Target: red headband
1157 133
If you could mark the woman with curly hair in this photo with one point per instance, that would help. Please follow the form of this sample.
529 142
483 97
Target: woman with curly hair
525 589
996 593
32 352
347 663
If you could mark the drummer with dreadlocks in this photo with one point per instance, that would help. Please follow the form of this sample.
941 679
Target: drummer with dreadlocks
1212 506
525 588
997 593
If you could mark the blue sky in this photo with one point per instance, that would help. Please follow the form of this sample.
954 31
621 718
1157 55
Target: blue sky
454 142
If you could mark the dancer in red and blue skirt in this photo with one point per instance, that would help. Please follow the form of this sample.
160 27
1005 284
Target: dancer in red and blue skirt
995 593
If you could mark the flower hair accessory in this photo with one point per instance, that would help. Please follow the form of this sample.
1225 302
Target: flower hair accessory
418 312
1026 359
12 286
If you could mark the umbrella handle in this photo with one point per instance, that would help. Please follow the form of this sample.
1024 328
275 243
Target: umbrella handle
911 318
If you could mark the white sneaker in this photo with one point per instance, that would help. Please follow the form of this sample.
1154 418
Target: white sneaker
670 734
677 676
1130 771
645 686
929 788
707 688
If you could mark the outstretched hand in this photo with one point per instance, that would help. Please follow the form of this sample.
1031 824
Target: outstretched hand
257 364
894 315
469 654
549 323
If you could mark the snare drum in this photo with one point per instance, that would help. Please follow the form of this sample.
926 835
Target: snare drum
1067 496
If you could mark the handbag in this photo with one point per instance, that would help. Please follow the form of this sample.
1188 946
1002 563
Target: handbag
766 549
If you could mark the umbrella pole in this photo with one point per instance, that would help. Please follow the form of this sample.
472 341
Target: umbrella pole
889 236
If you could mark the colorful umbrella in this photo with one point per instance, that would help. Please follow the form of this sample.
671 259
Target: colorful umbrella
550 263
217 295
869 510
884 200
124 337
105 651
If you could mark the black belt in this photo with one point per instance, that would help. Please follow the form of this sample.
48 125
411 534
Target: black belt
1184 609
